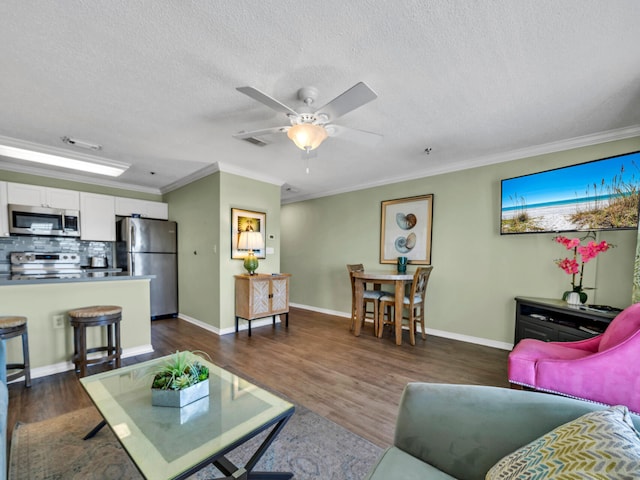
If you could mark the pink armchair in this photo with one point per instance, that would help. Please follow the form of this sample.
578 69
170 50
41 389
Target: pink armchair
603 369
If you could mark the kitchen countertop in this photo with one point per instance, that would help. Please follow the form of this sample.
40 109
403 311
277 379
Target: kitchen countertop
103 269
92 275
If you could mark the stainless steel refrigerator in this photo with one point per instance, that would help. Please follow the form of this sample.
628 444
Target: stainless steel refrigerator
148 247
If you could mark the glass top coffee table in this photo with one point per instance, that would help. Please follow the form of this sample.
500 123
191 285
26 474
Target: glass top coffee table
172 443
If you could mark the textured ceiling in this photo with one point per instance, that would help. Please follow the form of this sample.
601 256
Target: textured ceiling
476 81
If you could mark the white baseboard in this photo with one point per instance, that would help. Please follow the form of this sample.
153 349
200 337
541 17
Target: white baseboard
208 327
66 366
437 333
321 310
243 325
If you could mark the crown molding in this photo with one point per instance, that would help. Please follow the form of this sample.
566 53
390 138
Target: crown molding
243 172
453 166
220 167
197 175
464 164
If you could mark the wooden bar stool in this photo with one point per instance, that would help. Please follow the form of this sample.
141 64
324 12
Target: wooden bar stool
13 326
108 316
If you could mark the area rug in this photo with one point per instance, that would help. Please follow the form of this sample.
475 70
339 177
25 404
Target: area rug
310 446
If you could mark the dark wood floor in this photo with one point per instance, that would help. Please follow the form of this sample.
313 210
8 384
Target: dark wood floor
317 362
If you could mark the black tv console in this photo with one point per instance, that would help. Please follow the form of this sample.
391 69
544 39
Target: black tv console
554 320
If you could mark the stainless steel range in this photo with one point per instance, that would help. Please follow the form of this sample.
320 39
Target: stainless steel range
25 265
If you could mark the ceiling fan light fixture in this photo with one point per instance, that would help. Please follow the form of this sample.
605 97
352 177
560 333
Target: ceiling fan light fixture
307 136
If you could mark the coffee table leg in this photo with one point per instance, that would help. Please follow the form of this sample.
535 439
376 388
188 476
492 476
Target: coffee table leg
233 472
227 468
95 430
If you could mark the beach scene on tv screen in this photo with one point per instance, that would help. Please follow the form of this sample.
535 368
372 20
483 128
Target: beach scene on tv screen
598 195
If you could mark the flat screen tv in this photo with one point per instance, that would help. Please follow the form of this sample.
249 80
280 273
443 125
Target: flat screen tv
597 195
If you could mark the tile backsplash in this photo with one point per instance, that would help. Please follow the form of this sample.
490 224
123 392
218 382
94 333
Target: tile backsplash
27 243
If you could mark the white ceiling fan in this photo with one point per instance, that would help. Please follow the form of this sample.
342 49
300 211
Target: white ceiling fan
309 129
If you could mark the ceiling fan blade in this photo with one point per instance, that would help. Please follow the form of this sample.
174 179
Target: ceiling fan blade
347 101
358 136
266 100
258 133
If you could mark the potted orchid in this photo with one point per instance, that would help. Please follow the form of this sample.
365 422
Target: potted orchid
574 267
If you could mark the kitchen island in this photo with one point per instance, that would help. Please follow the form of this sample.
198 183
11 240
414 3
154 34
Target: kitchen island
45 302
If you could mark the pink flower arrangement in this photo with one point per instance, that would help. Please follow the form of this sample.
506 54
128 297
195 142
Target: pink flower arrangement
587 252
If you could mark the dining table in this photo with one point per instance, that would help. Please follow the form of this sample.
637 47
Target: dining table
377 277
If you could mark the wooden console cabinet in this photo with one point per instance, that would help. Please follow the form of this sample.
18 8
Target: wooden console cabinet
260 296
553 320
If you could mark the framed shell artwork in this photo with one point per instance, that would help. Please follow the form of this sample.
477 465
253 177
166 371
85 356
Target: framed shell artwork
405 230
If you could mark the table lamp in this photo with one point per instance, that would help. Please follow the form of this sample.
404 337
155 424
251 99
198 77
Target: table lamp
250 240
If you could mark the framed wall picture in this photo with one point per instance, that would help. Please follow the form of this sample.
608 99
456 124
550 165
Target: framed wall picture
405 230
247 220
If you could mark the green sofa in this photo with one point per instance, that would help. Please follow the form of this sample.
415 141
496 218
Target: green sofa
461 431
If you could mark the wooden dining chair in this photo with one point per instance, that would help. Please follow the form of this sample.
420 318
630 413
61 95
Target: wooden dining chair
414 303
369 297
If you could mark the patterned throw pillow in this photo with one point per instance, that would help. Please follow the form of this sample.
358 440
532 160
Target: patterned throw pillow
601 445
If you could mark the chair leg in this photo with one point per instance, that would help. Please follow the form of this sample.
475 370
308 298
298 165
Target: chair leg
353 317
376 307
412 326
82 353
25 358
118 346
381 322
424 335
111 349
76 348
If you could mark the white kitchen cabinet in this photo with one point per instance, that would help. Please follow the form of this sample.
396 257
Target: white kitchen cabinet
97 217
4 218
38 196
126 207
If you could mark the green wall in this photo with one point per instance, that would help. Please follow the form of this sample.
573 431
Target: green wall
477 272
205 269
247 194
196 208
71 185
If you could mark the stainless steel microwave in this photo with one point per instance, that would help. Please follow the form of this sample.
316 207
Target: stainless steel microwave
56 222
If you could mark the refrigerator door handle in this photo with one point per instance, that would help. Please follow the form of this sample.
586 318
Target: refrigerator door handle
132 237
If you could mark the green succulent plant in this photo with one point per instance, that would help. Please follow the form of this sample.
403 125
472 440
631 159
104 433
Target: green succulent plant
182 370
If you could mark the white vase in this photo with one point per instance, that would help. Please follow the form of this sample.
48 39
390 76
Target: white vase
574 298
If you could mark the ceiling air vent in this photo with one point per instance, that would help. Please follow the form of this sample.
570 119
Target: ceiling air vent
255 141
